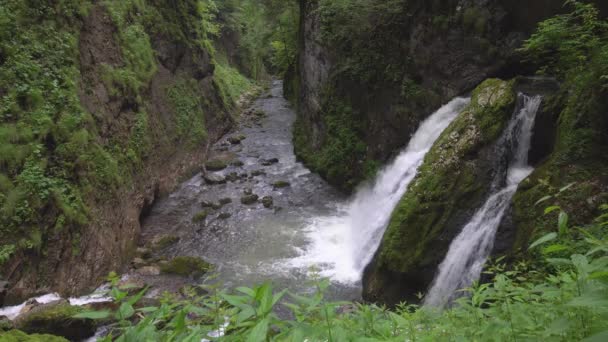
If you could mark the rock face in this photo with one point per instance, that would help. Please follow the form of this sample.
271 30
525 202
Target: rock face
361 95
452 181
75 255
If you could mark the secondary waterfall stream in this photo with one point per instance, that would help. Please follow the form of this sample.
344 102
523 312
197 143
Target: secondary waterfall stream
470 249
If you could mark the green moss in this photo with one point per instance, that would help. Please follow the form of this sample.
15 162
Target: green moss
215 165
449 180
164 241
230 83
280 184
200 216
186 266
190 117
20 336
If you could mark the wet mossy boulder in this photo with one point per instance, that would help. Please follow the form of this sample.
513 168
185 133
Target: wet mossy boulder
280 184
20 336
163 241
200 216
249 199
56 318
215 165
186 266
453 180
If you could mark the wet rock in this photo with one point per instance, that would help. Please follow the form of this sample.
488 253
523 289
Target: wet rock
235 140
200 216
248 191
29 305
232 177
243 175
20 336
259 113
223 216
257 173
56 318
268 162
149 271
267 201
216 206
186 266
5 324
215 165
131 286
213 178
138 263
280 184
207 204
226 200
143 252
163 241
237 163
3 291
249 199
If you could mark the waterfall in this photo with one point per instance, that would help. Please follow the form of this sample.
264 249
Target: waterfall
343 244
470 249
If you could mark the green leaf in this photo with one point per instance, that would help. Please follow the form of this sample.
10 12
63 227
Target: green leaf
93 314
259 332
551 209
125 311
554 249
247 291
546 198
567 187
546 238
599 337
148 309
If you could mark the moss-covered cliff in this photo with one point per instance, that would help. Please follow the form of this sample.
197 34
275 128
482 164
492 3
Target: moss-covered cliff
103 106
454 178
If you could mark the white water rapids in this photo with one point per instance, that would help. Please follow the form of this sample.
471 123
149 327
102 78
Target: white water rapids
343 244
470 249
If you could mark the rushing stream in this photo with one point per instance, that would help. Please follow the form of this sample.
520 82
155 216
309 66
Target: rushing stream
470 249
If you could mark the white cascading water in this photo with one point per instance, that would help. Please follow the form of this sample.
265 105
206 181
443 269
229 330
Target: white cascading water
470 249
342 245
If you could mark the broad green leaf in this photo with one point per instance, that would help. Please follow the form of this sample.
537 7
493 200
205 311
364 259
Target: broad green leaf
247 291
554 249
93 314
546 238
551 209
562 223
125 311
259 332
546 198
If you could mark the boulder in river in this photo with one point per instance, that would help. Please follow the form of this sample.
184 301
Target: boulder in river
267 201
226 200
5 324
213 178
280 184
248 191
186 266
224 216
256 173
236 140
232 177
200 216
268 162
215 165
249 199
237 163
56 318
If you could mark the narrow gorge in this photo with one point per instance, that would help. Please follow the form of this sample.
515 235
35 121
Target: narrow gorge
303 170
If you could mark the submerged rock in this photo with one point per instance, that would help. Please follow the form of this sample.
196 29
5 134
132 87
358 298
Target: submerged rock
163 241
56 318
267 201
186 266
200 216
226 200
249 199
256 173
223 216
236 140
237 163
232 177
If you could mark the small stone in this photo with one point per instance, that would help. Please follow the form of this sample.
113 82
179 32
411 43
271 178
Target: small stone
225 201
212 179
234 140
237 163
232 177
215 165
268 162
249 199
280 184
143 252
186 266
223 216
149 271
257 173
207 204
138 262
248 191
267 201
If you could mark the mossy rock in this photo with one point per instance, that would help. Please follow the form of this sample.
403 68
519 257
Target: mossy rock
280 184
249 199
20 336
56 318
267 201
186 266
224 216
200 216
163 241
215 165
453 179
226 200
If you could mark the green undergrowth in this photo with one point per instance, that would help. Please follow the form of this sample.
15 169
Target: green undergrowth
190 118
566 301
230 82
